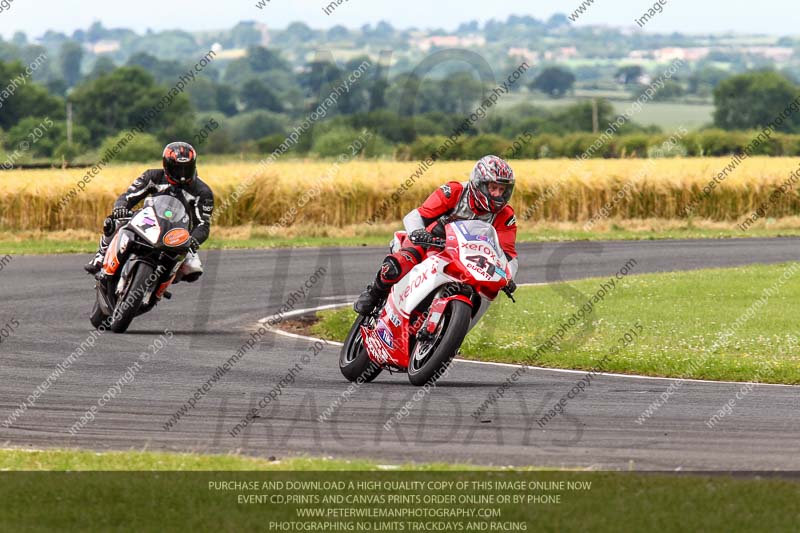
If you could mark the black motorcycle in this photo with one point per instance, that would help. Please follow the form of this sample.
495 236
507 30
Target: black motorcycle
141 262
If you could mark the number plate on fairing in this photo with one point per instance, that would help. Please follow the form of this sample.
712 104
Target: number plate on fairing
146 224
479 250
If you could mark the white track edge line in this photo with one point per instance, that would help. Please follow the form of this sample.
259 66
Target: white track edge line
300 312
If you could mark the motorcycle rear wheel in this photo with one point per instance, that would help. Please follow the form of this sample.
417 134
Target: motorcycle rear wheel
354 363
430 359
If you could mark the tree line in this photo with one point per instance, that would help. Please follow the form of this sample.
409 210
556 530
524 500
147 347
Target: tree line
256 99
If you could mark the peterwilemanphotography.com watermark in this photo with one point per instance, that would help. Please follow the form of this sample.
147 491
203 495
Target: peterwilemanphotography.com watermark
18 81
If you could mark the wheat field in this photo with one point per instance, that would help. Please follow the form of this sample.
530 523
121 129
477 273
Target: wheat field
293 193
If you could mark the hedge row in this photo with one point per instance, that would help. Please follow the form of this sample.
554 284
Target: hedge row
711 142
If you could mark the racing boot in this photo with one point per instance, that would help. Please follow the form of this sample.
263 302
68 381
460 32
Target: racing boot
370 298
191 269
109 228
94 266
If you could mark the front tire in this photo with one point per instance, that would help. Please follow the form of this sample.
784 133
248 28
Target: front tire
128 305
430 359
97 317
354 363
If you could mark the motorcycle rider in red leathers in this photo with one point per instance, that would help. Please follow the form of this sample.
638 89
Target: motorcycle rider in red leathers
484 197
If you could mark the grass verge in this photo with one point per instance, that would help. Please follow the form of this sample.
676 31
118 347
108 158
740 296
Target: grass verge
677 325
19 459
250 500
259 237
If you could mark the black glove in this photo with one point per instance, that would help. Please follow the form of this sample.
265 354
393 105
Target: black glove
438 230
194 245
424 238
511 288
121 212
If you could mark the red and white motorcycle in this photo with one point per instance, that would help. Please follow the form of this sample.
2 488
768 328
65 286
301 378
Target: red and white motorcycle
427 314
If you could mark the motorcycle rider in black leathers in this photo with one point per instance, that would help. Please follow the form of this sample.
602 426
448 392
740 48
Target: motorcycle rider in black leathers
179 179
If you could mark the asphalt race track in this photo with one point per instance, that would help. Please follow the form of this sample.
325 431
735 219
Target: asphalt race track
50 298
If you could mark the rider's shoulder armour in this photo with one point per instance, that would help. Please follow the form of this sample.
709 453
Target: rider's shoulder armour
463 211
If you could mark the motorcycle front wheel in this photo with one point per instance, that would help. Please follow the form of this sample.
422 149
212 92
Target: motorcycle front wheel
354 363
128 305
97 317
431 357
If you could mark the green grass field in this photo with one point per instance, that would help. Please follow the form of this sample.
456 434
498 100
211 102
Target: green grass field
56 460
680 317
152 497
667 115
26 242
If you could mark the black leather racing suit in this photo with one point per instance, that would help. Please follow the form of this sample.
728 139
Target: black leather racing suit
197 196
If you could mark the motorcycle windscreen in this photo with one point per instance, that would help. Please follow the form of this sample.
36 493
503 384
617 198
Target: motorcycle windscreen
479 250
161 214
169 208
175 221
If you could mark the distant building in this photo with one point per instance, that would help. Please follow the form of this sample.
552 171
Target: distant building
561 54
450 41
523 53
671 54
103 47
779 54
230 53
265 38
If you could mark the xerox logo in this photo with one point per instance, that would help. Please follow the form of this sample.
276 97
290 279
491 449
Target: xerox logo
414 284
480 248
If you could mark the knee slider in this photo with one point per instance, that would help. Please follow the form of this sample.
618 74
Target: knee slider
390 269
109 227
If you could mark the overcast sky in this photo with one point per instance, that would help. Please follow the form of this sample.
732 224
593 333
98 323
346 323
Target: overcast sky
776 17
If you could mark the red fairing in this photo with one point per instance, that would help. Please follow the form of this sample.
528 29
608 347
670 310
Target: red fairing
460 271
387 342
437 309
